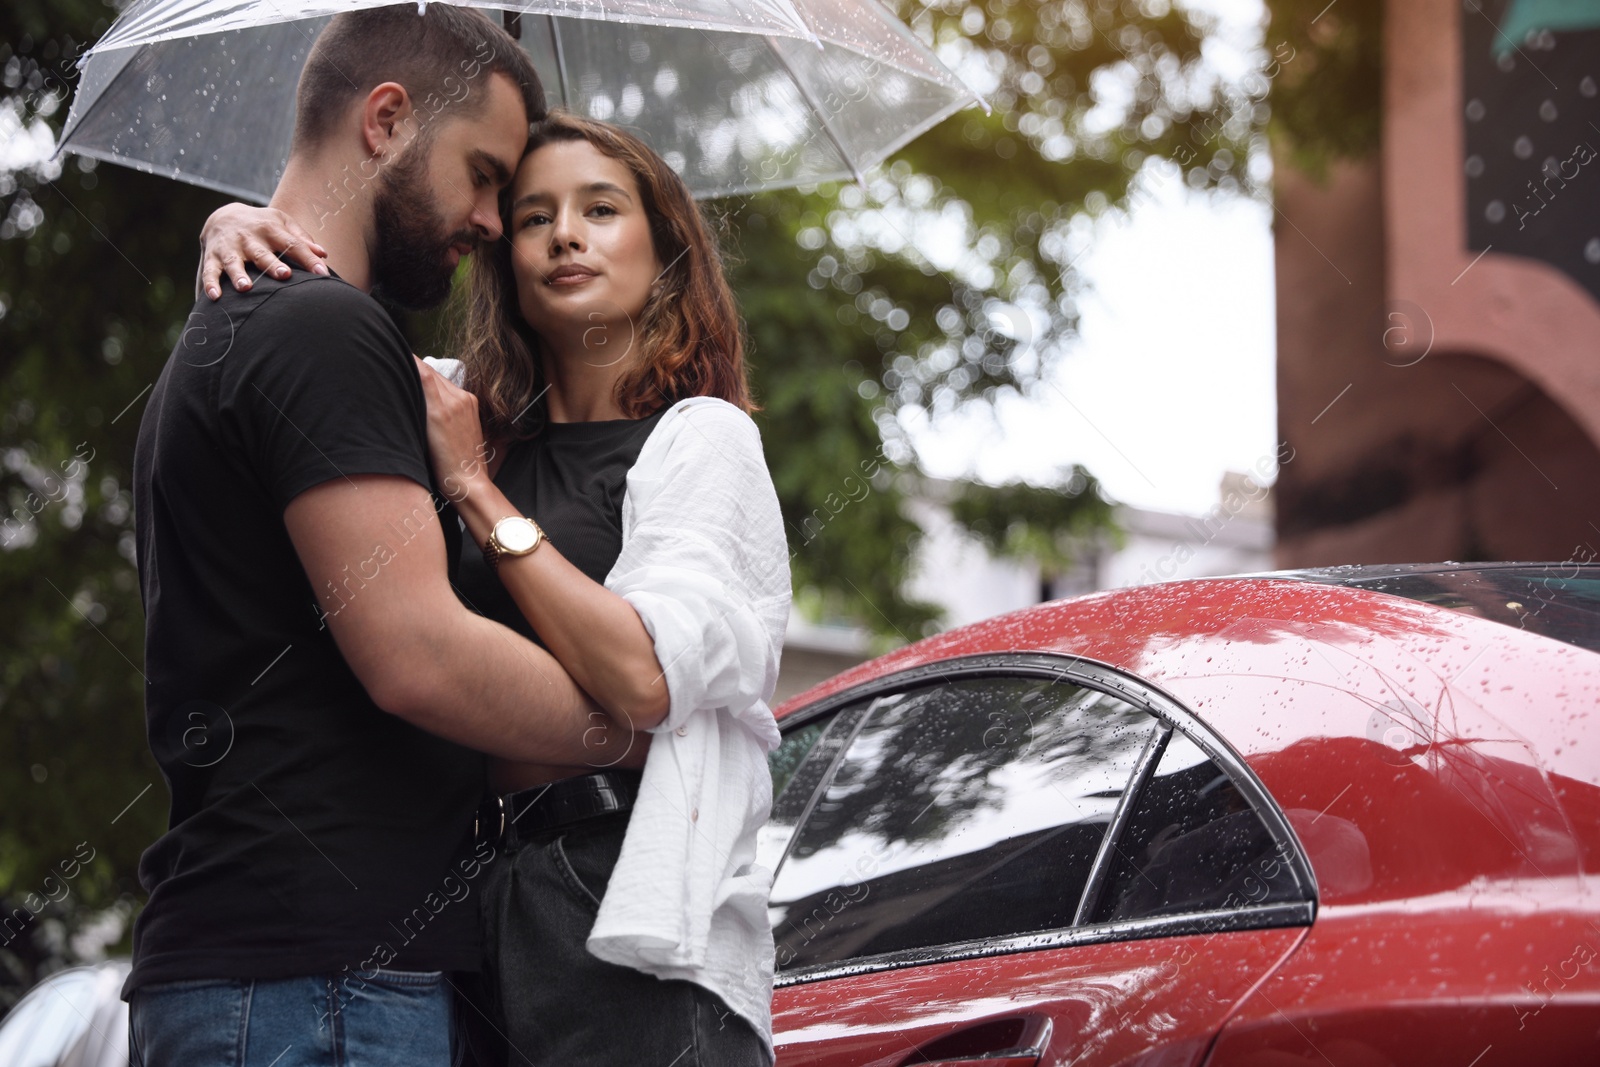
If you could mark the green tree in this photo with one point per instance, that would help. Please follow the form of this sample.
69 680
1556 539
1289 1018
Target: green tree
95 269
1092 100
1328 104
856 324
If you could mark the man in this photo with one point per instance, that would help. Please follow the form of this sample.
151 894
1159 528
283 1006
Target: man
317 696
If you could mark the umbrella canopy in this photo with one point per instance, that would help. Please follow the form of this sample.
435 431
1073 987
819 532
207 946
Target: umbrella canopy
736 95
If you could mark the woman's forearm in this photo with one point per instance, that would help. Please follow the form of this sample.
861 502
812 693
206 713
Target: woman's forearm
593 633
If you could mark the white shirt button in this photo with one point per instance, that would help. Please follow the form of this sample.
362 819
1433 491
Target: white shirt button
682 731
694 815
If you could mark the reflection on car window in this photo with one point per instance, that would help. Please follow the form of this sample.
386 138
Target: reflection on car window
798 765
1193 844
962 810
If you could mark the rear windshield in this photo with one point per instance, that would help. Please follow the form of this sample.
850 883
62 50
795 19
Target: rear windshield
1559 600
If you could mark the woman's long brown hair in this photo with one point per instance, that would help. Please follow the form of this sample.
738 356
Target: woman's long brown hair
688 341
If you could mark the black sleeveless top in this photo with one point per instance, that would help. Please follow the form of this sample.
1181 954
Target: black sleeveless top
570 480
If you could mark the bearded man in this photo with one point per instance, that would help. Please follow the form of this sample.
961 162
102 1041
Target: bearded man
318 698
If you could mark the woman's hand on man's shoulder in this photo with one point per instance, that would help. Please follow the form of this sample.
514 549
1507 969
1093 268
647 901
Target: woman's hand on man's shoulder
237 236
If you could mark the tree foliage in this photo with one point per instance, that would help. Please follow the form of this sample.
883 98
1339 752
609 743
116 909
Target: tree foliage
95 269
862 319
1328 105
1048 526
1089 98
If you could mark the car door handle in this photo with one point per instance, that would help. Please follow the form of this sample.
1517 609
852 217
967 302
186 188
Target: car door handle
1010 1041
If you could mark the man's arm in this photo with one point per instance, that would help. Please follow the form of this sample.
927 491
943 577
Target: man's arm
373 550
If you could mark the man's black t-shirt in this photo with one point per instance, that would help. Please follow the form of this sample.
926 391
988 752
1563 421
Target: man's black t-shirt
310 832
571 480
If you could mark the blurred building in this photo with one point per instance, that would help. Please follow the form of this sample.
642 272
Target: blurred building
955 572
1439 304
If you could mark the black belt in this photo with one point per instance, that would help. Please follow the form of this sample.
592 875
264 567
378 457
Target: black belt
504 821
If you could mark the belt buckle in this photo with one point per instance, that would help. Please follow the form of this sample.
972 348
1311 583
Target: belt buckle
490 813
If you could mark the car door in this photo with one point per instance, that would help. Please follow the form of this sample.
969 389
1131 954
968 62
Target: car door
1017 862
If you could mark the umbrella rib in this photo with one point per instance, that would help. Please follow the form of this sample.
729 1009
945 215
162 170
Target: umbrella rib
803 22
822 116
561 60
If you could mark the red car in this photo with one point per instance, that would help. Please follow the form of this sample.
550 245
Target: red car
1339 817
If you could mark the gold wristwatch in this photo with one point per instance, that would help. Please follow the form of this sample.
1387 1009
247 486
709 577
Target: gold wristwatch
512 536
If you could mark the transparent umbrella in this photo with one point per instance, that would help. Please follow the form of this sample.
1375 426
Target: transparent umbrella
738 95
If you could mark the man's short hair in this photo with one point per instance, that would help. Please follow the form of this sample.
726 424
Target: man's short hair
443 58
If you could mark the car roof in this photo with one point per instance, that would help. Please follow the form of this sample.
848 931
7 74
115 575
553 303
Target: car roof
76 1015
1079 625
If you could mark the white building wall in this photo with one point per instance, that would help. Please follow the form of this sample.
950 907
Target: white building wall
959 575
1163 547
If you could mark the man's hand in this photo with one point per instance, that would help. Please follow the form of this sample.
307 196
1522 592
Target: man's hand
237 235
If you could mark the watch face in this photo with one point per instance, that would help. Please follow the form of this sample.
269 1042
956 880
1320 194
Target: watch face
516 535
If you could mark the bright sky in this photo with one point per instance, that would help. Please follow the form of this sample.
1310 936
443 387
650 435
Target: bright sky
1172 380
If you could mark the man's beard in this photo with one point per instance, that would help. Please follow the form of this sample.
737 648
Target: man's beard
409 246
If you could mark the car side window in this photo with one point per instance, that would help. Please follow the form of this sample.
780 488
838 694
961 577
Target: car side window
786 759
960 810
1193 844
798 765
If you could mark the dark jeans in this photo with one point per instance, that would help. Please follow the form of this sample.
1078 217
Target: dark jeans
392 1019
562 1006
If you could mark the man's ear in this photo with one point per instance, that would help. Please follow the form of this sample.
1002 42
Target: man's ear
386 119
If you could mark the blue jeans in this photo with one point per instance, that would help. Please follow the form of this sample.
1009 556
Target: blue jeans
392 1019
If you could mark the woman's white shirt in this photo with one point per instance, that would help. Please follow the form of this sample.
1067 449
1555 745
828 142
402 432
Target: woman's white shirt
705 563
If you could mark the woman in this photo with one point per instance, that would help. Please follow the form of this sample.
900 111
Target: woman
627 521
